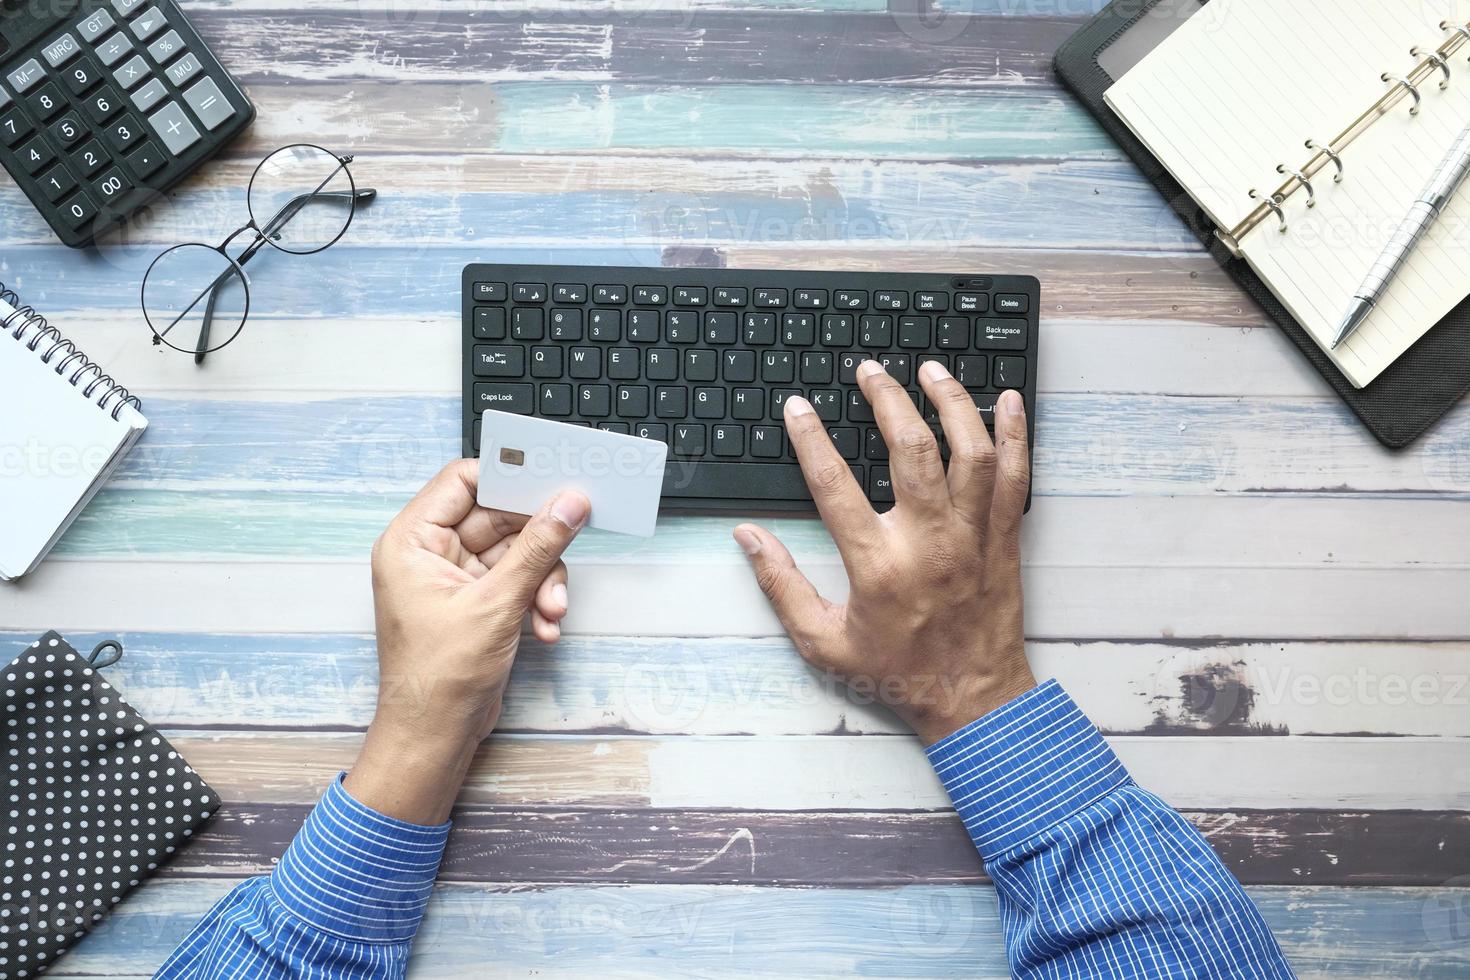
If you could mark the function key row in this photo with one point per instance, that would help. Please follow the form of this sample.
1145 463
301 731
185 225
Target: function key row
769 298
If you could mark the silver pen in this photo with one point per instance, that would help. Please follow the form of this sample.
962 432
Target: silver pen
1422 216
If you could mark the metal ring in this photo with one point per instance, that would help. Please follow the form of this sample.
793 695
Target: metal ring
1331 155
1301 179
46 330
63 342
22 319
1437 60
101 379
1459 29
61 365
130 399
1274 203
1405 83
76 375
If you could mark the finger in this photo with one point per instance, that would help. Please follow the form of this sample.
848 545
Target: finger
551 594
971 454
804 614
536 551
543 629
913 452
1012 465
448 497
482 528
492 555
842 503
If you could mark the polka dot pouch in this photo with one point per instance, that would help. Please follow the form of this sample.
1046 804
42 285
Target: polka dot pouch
95 800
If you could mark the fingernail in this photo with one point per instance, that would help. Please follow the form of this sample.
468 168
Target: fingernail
797 405
559 595
869 368
571 509
748 541
1011 401
933 371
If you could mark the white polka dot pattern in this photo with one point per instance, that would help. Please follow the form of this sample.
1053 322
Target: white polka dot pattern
95 800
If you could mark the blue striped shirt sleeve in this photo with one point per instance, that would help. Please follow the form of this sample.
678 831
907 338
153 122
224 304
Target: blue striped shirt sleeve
1096 877
344 902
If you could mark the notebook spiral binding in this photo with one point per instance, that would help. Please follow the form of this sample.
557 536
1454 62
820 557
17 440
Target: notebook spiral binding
1401 87
28 327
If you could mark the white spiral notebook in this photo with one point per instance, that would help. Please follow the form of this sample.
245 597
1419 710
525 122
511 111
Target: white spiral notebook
1228 104
65 425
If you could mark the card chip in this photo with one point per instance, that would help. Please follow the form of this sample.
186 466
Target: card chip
512 457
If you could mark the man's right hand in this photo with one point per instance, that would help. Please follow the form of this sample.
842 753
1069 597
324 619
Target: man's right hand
933 623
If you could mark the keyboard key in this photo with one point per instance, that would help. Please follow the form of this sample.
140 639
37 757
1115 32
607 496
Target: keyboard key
586 363
699 365
61 50
1001 334
93 27
972 303
91 158
499 362
712 480
778 367
47 101
759 329
914 331
709 403
649 295
770 297
847 441
546 362
748 404
527 324
605 325
80 77
489 292
720 328
875 331
985 405
149 23
609 294
489 323
731 296
556 400
880 485
850 299
133 72
689 440
663 364
858 409
643 326
873 445
798 329
569 292
529 292
68 130
174 128
212 108
899 366
809 299
126 7
1012 303
690 295
828 404
632 401
56 183
149 94
594 401
891 299
954 332
765 441
657 431
123 133
516 398
78 210
931 302
26 77
114 49
970 370
111 185
778 400
166 48
36 155
847 367
566 324
728 440
619 427
837 330
816 367
670 402
147 160
739 365
1009 371
681 327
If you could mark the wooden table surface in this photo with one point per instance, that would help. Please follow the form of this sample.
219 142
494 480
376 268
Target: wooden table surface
1264 609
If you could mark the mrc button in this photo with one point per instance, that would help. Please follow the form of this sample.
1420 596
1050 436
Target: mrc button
1000 334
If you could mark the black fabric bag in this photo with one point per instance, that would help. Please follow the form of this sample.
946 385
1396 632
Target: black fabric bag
95 801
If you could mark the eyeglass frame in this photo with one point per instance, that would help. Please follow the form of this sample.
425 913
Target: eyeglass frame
263 237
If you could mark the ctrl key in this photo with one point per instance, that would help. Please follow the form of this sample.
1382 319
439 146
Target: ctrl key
519 399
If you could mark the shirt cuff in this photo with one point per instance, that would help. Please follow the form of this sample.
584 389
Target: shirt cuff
1024 767
357 874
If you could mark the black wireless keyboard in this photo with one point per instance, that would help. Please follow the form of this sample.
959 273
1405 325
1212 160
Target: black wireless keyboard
704 360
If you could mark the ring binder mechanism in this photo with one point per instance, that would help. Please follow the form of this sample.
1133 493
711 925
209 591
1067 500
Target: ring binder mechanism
31 329
1403 86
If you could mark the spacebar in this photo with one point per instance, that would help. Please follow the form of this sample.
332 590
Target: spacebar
738 481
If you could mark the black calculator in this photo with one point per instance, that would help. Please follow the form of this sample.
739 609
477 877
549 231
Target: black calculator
105 104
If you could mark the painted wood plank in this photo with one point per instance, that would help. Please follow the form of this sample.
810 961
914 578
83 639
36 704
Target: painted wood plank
807 849
732 686
739 931
952 206
863 772
241 594
627 9
433 43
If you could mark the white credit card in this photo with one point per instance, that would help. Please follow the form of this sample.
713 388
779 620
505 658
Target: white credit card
526 461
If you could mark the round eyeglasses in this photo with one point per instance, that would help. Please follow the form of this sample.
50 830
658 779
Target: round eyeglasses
301 200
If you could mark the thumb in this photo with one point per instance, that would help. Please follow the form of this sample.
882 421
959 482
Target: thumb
796 601
516 577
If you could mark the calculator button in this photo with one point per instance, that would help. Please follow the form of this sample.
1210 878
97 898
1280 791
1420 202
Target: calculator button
13 128
124 134
126 8
166 48
80 77
4 98
35 155
148 24
26 77
212 108
68 131
114 49
103 104
90 158
56 184
111 185
46 102
149 95
131 73
78 211
174 128
95 26
61 50
146 161
184 69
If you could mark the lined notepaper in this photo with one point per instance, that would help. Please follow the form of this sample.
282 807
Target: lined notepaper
1239 90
